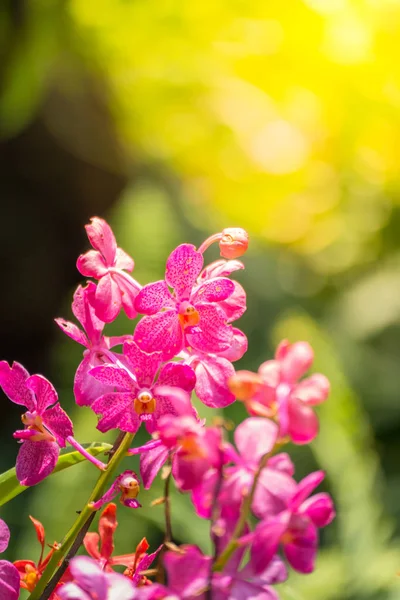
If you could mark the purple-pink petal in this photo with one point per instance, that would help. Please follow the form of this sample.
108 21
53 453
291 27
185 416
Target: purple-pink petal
153 297
112 408
212 374
58 423
4 535
266 540
301 552
212 334
305 487
213 290
107 299
162 332
183 267
303 423
90 576
150 464
123 260
86 388
9 581
91 264
142 364
44 391
235 305
273 493
35 461
129 289
82 307
13 381
188 570
255 437
319 509
238 346
72 331
177 374
172 401
220 268
102 238
313 390
114 377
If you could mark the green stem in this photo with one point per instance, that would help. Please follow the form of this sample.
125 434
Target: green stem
84 515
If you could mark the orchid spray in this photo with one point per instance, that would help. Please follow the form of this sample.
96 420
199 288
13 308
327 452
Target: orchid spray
262 521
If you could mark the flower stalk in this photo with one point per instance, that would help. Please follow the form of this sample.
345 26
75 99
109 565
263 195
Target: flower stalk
39 593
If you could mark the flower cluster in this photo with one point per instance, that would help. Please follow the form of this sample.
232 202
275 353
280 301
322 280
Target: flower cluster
184 342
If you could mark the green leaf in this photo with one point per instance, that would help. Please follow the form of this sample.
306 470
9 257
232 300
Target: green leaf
10 486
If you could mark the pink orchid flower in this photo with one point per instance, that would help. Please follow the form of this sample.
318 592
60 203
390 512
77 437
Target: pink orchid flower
194 450
108 264
47 426
97 345
191 315
142 396
275 390
9 576
296 528
90 582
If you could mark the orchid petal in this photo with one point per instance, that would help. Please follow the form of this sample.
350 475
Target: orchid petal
305 487
212 374
302 551
150 464
183 267
102 238
266 540
123 260
143 364
114 377
162 332
153 297
58 423
107 299
255 437
177 374
9 581
4 535
303 422
72 331
13 381
35 461
112 407
129 289
235 305
319 509
213 290
213 334
44 391
91 264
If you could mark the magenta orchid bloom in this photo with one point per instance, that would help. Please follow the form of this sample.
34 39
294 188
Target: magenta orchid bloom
108 264
90 582
9 575
47 426
275 390
142 396
194 449
296 528
245 584
97 345
128 485
191 315
254 438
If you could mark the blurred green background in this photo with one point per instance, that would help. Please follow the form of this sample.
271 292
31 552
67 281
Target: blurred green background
174 119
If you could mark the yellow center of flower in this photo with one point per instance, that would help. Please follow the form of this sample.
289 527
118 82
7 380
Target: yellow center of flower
144 404
31 577
35 423
188 315
130 488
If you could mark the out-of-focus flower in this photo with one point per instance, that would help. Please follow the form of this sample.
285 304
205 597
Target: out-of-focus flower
296 528
128 485
9 576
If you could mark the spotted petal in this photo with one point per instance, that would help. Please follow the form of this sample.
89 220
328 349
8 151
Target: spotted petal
44 391
143 364
183 267
214 290
213 334
35 461
162 332
153 297
13 381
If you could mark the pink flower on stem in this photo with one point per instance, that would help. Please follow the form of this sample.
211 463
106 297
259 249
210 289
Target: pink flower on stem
275 390
233 242
296 528
9 576
127 485
254 438
142 396
188 316
47 426
194 450
90 582
97 345
108 264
